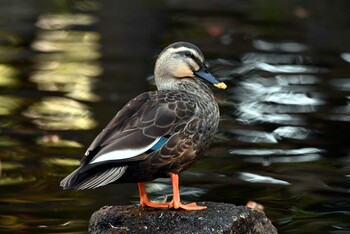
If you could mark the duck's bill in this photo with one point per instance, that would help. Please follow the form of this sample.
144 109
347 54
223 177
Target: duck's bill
205 75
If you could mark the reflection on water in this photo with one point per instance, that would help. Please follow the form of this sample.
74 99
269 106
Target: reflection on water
279 46
8 76
275 99
48 68
64 21
283 137
9 104
74 79
67 58
58 113
253 178
268 156
345 56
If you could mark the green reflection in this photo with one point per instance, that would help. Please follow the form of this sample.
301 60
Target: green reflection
56 141
63 21
9 104
62 161
10 166
75 79
68 62
51 41
66 45
8 76
14 222
16 180
77 46
61 59
8 141
9 53
58 113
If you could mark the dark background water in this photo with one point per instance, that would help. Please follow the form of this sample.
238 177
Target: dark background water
66 67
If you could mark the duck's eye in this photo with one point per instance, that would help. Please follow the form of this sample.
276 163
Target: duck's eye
188 54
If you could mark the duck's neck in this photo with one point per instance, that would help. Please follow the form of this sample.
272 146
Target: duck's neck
197 87
190 85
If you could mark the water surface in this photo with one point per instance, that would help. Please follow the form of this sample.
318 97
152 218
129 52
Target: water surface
67 67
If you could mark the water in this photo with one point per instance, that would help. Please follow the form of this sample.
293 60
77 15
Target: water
66 67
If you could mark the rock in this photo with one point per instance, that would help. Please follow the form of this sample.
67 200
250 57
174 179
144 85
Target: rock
218 218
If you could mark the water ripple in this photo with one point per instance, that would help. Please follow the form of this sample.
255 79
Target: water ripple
345 56
256 112
248 67
254 178
254 136
281 46
273 58
268 156
277 99
60 113
292 132
272 152
342 84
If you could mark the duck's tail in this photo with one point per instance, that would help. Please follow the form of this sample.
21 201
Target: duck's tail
70 181
82 180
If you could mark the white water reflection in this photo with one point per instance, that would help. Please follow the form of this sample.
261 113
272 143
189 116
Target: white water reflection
255 178
268 156
273 63
273 58
267 161
344 118
291 132
276 99
345 56
250 66
254 136
272 152
250 114
342 84
280 46
286 68
291 99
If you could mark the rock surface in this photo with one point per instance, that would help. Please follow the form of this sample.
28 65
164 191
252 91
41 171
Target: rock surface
218 218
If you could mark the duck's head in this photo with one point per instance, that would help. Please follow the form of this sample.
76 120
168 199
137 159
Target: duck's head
182 60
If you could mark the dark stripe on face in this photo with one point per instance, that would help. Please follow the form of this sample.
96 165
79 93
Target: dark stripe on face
185 54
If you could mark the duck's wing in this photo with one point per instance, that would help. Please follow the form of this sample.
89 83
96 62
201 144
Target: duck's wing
143 125
138 127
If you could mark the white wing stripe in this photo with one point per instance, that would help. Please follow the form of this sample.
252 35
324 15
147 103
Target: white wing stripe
123 154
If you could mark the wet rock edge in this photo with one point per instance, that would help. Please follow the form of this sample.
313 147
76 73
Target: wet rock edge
218 218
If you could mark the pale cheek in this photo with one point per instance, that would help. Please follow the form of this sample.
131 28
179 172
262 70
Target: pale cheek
183 72
195 66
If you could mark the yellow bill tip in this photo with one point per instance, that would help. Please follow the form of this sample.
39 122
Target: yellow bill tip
221 85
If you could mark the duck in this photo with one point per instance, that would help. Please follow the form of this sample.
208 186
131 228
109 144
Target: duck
159 133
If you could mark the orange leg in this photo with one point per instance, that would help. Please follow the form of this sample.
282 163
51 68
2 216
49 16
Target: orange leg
176 203
144 201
